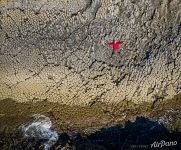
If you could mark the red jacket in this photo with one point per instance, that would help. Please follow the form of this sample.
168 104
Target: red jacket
116 45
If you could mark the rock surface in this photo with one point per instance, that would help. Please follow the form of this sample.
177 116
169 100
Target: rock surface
56 50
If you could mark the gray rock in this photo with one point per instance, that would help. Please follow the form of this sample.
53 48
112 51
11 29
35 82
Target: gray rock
67 41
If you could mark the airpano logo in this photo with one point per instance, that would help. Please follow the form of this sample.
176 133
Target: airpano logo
163 143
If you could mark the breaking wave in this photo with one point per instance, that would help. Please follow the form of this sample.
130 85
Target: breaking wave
40 129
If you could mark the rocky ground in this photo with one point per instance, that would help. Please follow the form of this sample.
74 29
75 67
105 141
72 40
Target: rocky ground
57 50
86 128
54 61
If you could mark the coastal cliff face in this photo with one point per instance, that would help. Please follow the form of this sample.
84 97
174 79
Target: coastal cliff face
56 50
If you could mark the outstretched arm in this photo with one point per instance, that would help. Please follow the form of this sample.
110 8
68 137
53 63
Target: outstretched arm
121 42
110 43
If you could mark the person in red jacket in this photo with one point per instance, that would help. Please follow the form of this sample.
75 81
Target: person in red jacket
116 46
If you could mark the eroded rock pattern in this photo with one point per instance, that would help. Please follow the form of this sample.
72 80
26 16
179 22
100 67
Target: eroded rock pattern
56 50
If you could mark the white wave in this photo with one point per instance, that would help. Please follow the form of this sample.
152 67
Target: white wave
40 129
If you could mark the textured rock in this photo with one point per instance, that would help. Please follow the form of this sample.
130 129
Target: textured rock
57 50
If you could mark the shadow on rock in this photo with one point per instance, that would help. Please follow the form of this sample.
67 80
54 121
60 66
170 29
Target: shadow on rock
141 134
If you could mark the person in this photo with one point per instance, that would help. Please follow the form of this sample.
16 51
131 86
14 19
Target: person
116 46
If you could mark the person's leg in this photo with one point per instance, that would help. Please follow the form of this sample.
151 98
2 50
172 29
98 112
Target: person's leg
113 53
